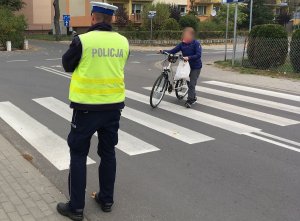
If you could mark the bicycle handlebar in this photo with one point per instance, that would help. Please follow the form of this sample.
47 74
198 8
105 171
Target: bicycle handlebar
172 55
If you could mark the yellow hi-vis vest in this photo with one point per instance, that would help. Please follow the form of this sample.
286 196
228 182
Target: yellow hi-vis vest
99 77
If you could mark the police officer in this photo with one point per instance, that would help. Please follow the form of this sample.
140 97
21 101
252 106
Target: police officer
97 93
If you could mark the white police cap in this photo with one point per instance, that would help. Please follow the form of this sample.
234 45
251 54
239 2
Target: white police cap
102 7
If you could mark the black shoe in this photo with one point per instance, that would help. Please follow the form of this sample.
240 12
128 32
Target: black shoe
189 103
106 207
65 210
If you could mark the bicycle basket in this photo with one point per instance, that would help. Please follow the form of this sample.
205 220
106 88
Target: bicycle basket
172 58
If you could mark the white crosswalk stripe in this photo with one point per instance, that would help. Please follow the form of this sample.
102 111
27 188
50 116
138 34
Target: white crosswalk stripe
128 143
165 127
223 123
255 90
258 115
248 99
45 141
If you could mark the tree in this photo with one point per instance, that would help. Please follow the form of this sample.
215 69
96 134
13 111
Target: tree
121 17
56 19
189 21
192 10
283 18
171 25
262 13
162 14
222 15
175 12
13 5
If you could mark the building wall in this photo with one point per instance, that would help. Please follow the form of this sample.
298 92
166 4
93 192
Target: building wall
38 14
209 4
80 10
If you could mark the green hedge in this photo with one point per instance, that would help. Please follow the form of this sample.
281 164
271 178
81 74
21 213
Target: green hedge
295 51
268 46
12 28
175 35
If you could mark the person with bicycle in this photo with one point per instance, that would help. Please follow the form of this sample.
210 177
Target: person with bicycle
191 51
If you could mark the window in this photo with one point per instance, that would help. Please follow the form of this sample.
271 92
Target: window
201 10
182 9
136 8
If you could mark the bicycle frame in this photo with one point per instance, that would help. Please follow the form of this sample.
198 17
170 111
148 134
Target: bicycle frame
168 71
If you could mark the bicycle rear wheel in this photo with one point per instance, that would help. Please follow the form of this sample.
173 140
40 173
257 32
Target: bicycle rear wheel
181 89
158 90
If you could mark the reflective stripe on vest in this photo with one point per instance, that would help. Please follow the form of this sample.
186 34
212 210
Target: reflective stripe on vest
99 77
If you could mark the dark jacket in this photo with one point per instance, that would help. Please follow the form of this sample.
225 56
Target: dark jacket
192 50
70 61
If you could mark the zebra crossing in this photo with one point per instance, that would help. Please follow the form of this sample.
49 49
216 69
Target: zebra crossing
54 148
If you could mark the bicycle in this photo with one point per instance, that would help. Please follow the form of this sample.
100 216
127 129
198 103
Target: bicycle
166 82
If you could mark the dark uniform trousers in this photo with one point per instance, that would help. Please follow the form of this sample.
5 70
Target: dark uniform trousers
84 124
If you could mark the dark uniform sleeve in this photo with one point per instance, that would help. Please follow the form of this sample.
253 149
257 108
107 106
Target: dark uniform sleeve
71 58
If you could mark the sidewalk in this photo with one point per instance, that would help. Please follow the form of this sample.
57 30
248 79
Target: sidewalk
25 194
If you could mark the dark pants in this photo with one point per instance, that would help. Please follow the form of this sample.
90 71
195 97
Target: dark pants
84 125
194 75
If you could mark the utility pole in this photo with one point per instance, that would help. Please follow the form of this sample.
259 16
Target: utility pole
234 33
227 27
151 15
251 15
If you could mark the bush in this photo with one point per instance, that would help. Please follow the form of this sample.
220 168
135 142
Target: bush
12 28
189 21
268 46
212 26
171 25
295 51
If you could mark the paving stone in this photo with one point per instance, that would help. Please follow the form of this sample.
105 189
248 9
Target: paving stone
14 199
8 207
29 203
22 210
28 217
22 194
42 205
3 198
2 214
48 198
35 196
14 216
36 212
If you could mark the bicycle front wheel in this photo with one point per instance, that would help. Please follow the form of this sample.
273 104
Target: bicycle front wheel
158 90
181 89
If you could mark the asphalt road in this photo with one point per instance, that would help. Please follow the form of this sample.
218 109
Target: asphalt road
234 157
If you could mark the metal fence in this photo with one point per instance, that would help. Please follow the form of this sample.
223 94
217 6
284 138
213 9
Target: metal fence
280 55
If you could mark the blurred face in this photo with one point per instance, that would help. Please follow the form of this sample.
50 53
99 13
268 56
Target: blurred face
188 35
